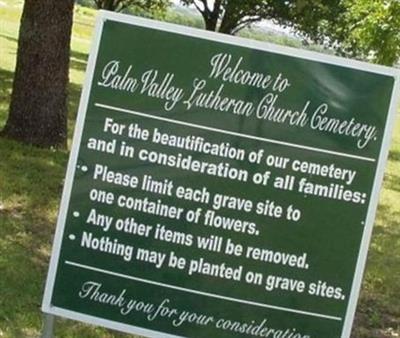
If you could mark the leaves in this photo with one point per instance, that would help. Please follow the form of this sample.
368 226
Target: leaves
140 5
367 29
364 29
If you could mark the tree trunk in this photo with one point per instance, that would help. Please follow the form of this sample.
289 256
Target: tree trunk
211 23
230 18
211 17
38 108
109 5
112 5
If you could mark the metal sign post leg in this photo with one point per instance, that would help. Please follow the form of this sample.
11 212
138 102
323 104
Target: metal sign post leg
48 326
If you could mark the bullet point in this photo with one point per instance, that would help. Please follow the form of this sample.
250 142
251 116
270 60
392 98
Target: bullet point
84 168
72 237
75 213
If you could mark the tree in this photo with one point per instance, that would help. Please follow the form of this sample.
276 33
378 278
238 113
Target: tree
141 5
38 107
367 29
230 16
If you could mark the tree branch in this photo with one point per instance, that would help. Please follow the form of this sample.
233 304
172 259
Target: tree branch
244 23
199 8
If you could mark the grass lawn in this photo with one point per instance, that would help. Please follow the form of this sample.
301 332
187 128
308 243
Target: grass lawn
31 182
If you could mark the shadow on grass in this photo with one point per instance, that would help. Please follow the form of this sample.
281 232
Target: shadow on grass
6 80
74 93
31 182
392 182
378 311
78 60
30 190
394 155
9 38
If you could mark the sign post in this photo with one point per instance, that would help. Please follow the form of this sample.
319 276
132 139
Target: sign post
48 326
219 187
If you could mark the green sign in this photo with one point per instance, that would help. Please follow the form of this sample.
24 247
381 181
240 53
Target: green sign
218 187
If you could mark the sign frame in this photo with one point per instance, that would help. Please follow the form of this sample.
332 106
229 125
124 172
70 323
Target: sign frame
102 17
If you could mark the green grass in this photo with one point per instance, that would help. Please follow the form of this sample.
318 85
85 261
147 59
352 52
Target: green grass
31 181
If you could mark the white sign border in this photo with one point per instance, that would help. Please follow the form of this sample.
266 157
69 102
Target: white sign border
206 35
